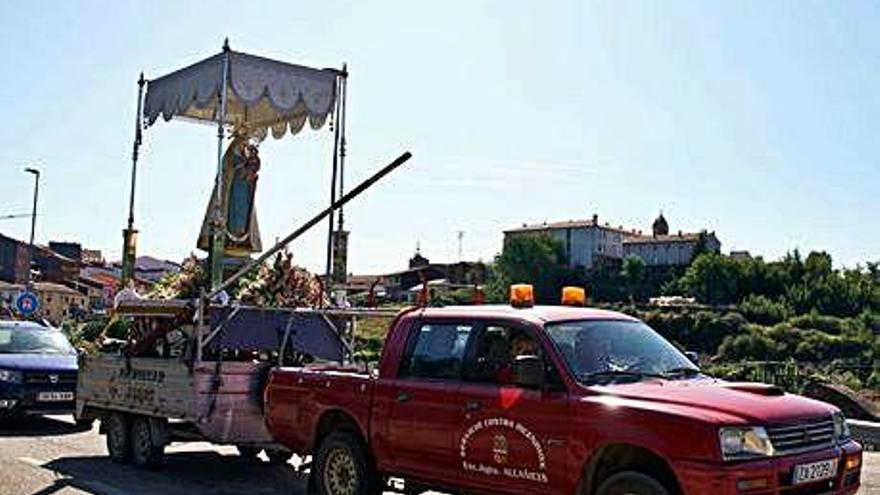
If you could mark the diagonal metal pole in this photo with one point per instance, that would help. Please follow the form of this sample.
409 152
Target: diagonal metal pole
387 169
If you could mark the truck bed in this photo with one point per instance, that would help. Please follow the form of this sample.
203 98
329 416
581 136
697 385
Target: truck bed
298 399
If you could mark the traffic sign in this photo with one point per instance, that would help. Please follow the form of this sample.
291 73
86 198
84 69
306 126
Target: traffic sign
27 303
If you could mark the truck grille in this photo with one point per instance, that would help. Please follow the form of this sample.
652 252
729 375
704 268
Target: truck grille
800 437
44 378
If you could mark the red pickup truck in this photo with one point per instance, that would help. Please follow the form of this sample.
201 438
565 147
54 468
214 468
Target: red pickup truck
495 399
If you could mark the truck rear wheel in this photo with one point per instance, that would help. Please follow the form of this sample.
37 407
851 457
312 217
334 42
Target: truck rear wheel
118 438
144 451
631 483
341 466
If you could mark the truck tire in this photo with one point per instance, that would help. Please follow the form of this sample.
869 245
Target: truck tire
118 429
631 483
341 466
144 451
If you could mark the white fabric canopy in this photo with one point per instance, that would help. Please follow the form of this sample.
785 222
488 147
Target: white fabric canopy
264 93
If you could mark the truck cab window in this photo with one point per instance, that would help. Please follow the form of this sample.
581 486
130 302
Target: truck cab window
497 349
437 351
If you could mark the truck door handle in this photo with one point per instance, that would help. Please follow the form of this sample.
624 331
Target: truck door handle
402 397
472 405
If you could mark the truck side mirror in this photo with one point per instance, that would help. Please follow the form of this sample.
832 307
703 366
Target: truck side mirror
693 356
528 371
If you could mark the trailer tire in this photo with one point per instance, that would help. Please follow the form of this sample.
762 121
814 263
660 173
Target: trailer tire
144 449
341 466
118 430
631 483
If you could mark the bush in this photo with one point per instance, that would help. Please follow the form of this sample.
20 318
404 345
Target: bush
760 309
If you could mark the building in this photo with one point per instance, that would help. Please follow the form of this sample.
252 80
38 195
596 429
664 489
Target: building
397 286
589 245
662 249
57 302
14 260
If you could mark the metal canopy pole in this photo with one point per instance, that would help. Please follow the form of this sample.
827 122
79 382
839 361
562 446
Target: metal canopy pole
329 267
129 235
218 238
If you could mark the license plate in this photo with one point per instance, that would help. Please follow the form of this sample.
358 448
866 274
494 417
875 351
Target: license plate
55 396
814 471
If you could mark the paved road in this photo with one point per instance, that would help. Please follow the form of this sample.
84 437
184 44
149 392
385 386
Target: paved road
52 457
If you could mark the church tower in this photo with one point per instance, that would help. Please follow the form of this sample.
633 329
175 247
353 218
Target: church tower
660 227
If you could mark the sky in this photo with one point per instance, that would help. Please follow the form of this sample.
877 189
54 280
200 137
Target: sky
756 120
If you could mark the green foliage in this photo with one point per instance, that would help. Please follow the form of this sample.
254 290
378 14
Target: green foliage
534 259
763 310
712 278
633 273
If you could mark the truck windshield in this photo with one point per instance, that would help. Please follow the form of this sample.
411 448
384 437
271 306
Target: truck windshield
608 350
33 341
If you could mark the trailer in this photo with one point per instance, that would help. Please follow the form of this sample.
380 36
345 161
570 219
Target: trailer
175 380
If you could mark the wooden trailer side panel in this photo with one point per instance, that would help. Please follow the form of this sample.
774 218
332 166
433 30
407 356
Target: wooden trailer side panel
229 402
149 386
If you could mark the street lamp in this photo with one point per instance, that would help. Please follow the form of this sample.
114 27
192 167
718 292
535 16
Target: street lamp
33 219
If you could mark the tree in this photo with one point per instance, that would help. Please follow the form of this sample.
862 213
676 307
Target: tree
532 259
713 278
633 273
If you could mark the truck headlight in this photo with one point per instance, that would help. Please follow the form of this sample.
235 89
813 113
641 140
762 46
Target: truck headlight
841 429
10 376
744 442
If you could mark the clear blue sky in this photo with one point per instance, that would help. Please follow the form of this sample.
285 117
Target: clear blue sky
757 120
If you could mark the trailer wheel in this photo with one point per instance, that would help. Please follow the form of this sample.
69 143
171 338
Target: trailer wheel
144 451
279 457
341 466
118 439
631 483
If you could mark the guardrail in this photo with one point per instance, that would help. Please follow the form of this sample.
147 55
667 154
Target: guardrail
866 432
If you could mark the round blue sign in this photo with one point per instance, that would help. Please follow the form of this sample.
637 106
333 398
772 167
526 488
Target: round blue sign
27 303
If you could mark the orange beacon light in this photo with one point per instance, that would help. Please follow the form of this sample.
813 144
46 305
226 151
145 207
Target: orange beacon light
574 296
522 296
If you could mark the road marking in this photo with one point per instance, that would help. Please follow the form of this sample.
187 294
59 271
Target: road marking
32 462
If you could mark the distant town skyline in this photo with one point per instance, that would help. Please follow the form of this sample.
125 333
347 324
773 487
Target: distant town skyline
756 121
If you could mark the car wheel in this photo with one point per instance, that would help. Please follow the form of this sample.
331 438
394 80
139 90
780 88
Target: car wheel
248 453
144 452
631 483
342 468
278 456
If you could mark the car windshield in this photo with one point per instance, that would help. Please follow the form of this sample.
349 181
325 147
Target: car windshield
33 340
604 350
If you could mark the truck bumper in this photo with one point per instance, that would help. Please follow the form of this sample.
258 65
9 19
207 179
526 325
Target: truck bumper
773 476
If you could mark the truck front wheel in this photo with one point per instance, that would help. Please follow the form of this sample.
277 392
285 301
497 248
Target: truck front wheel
341 466
631 483
118 438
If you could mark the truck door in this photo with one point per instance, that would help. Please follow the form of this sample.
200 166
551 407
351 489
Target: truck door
511 439
422 413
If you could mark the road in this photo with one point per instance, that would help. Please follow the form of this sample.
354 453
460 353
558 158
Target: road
51 456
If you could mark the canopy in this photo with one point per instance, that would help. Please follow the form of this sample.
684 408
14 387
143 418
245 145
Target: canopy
265 94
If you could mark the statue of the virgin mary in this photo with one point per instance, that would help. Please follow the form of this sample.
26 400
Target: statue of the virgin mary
241 166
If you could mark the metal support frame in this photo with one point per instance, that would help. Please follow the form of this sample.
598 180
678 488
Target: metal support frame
129 235
338 171
218 236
